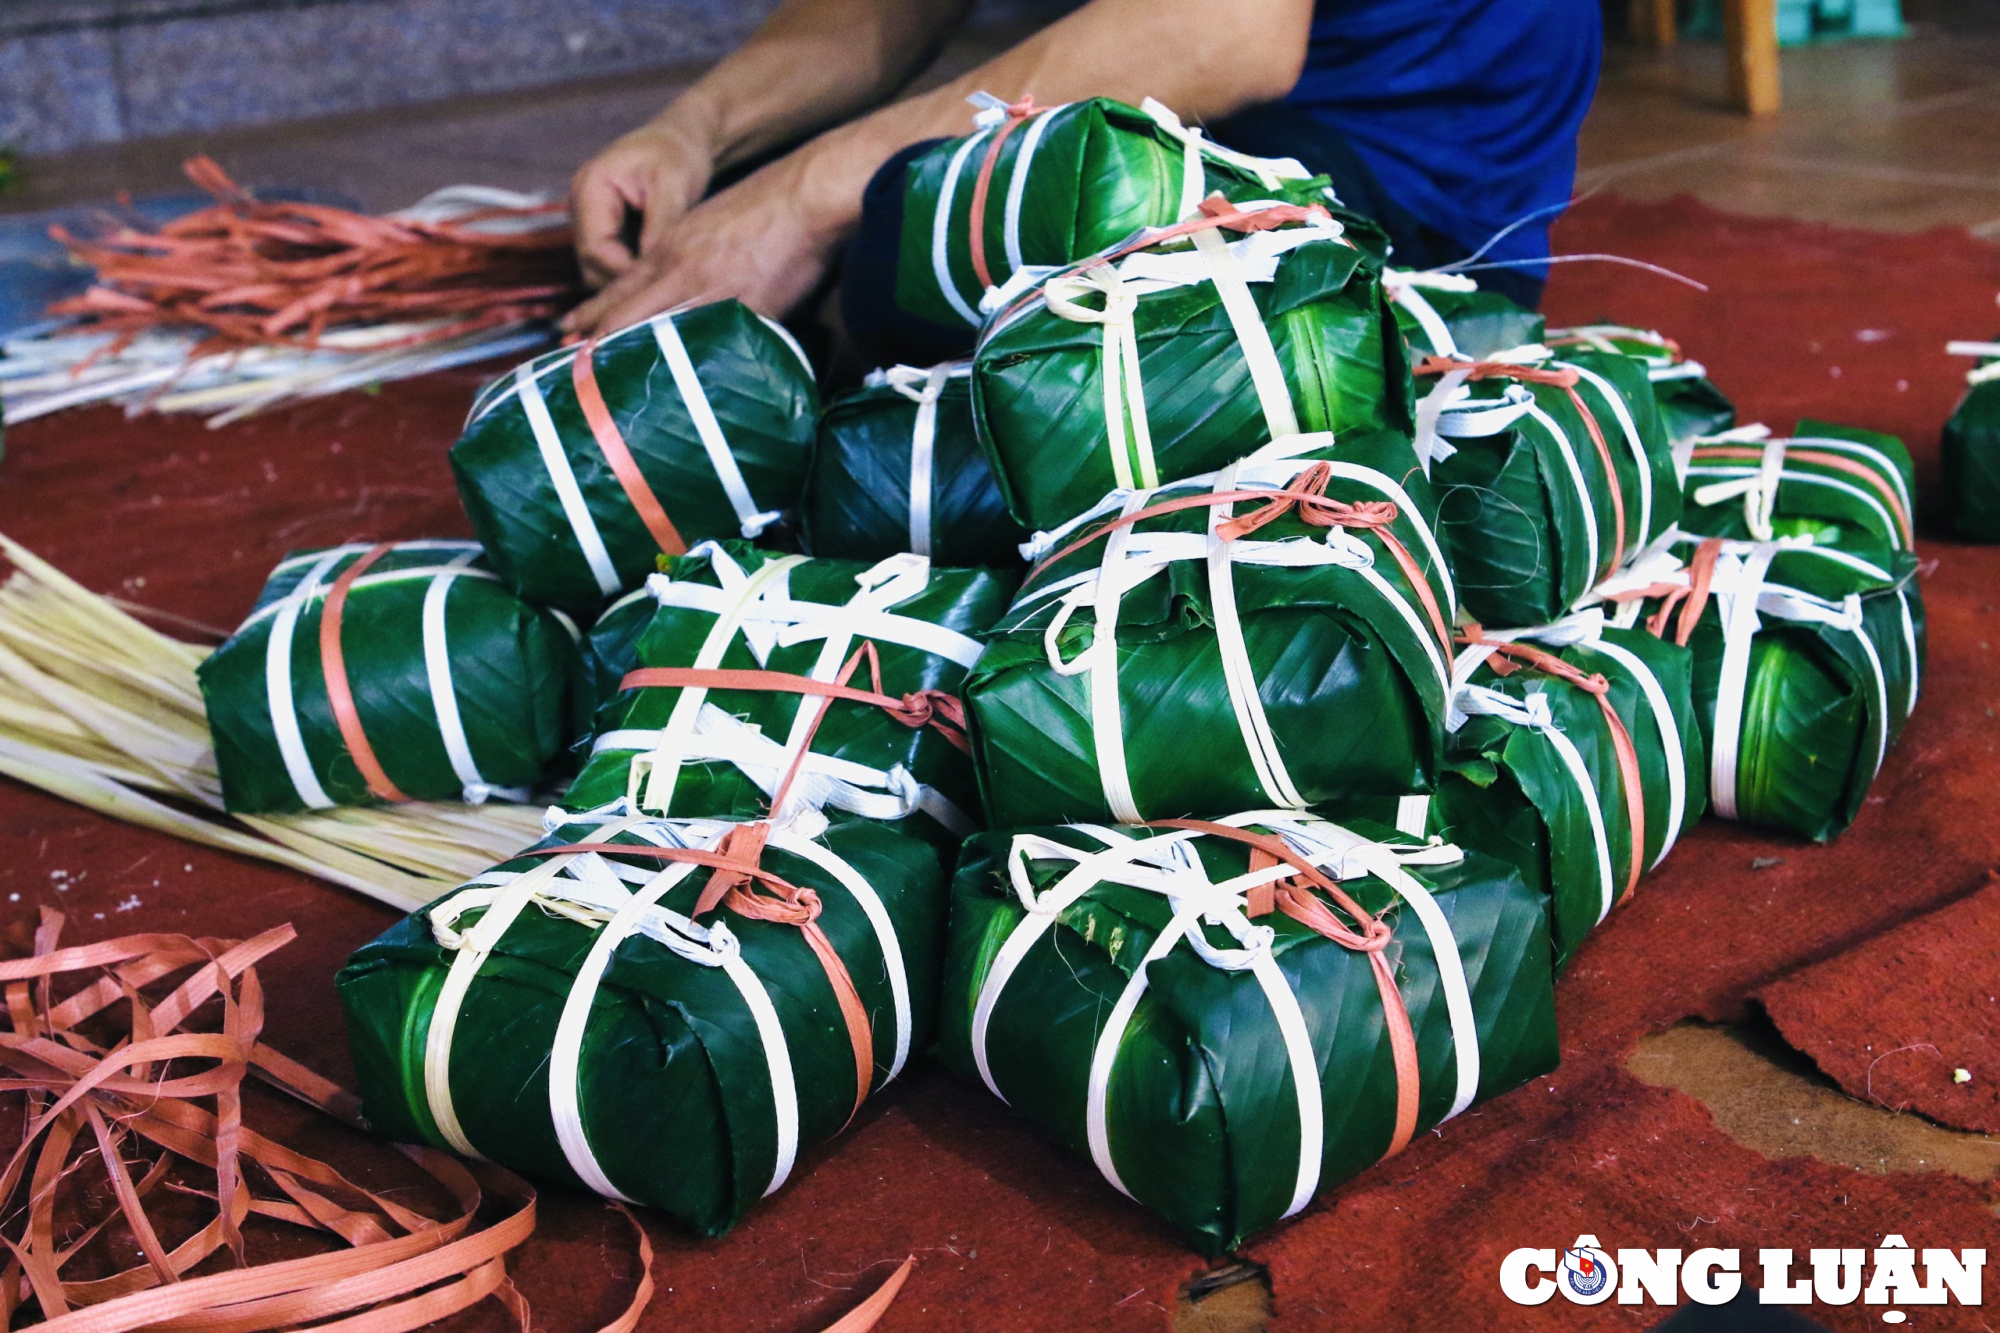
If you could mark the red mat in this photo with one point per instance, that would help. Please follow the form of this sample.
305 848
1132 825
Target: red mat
1009 1233
1899 1019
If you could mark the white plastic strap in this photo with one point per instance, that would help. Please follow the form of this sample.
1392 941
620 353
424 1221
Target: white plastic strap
1740 623
444 696
1017 185
695 398
941 230
1238 673
1630 430
662 769
923 458
1107 723
582 525
1670 738
885 933
1124 389
476 946
1251 334
1585 499
1409 295
278 683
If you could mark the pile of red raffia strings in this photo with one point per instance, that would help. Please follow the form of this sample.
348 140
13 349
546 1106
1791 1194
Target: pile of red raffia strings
126 1099
254 273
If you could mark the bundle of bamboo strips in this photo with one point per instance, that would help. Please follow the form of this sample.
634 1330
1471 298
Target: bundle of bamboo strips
105 711
248 304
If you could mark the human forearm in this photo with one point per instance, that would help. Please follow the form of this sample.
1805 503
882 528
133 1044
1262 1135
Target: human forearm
1205 60
812 63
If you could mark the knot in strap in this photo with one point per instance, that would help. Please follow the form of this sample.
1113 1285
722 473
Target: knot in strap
1120 301
1306 496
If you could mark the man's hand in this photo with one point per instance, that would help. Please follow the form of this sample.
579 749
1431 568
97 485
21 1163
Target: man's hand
658 171
757 241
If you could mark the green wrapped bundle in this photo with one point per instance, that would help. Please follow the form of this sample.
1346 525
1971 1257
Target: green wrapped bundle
1550 474
1971 449
1228 1028
1277 634
623 1018
398 672
1690 405
1445 314
754 665
581 467
1182 356
1838 485
1807 661
899 468
1035 188
1580 765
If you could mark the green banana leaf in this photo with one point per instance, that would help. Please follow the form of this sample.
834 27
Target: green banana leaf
1823 677
1146 979
1690 405
463 691
728 460
1444 314
611 648
907 428
1971 448
731 606
1312 672
712 1050
1539 784
1068 182
1839 485
1039 374
1527 509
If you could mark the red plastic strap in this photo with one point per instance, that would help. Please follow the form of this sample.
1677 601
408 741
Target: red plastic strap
339 695
1565 378
379 1282
1297 900
939 710
1594 684
1823 458
611 443
1017 113
1305 495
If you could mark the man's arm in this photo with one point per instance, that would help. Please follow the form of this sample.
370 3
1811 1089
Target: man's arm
767 239
812 64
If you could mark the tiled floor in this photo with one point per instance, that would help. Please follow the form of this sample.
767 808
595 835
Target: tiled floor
1900 135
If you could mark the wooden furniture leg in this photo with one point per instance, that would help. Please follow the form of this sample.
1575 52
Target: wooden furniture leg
1750 35
1653 23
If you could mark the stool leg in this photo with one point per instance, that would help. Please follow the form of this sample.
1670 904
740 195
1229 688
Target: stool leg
1750 33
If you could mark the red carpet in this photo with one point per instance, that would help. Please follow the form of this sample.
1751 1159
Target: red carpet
1010 1234
1895 1020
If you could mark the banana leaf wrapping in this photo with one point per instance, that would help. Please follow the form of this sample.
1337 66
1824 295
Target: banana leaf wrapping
1575 757
1971 449
1276 634
1838 485
1550 473
1807 661
1176 356
1038 187
1690 405
396 672
754 665
611 648
1228 1029
899 468
582 466
657 1020
1445 314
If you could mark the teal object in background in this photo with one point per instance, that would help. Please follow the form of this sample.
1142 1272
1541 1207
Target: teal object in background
1802 21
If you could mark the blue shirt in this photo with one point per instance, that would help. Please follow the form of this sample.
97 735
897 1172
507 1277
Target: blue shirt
1466 110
